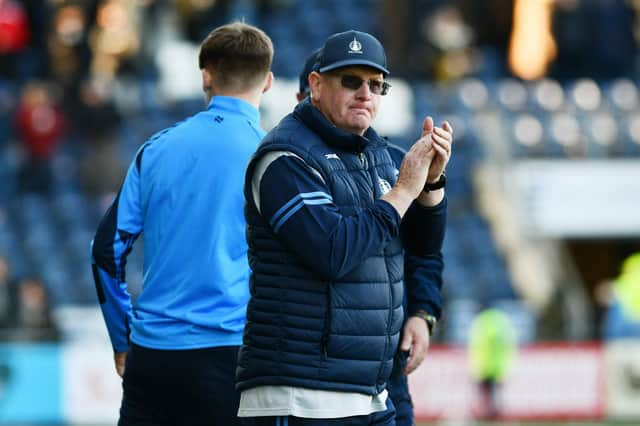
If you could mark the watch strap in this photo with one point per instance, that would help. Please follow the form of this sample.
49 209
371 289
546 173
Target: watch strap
429 319
440 183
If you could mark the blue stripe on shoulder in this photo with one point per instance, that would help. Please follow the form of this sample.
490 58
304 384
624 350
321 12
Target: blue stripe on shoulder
304 201
295 200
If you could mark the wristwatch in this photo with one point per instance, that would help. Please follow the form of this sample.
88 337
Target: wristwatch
429 319
440 183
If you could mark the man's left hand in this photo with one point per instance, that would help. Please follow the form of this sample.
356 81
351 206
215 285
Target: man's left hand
415 340
442 138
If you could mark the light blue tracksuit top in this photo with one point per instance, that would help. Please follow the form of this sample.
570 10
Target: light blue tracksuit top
183 192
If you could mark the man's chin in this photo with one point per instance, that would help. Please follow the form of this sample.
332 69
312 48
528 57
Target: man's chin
362 121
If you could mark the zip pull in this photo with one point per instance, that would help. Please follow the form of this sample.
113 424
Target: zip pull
323 347
362 158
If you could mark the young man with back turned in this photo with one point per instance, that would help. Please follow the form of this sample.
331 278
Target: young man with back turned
183 190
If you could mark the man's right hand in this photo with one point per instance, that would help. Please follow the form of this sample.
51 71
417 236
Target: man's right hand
413 170
120 358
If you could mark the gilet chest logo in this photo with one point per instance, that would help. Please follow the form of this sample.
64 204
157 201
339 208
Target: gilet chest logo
355 46
384 186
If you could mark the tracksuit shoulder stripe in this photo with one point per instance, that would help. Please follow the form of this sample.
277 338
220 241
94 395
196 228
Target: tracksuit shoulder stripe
295 204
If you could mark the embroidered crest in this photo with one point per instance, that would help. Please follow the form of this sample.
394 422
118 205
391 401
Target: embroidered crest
355 46
384 186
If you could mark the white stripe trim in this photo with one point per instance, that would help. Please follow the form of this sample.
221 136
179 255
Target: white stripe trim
262 166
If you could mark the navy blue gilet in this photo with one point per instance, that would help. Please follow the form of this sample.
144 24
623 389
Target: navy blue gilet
303 329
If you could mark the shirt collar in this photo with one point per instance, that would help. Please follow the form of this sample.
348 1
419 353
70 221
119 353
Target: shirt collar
235 105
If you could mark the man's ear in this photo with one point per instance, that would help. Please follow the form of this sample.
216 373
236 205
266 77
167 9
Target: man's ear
207 81
268 82
314 80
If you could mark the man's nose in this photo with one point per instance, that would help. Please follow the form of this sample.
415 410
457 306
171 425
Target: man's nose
364 91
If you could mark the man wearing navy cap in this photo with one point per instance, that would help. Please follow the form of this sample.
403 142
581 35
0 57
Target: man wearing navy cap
334 229
397 386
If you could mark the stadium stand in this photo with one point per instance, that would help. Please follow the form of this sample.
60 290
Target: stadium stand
49 234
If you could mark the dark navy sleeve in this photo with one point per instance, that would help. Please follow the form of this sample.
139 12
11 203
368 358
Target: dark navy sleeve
423 228
299 207
116 233
422 232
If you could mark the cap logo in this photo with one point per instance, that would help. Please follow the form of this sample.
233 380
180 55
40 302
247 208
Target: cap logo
355 46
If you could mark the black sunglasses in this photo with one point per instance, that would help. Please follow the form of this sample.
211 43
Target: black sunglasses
353 82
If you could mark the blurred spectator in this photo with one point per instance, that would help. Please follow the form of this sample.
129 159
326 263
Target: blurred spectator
69 54
40 124
452 39
95 114
199 16
96 122
115 39
396 16
622 317
439 48
7 296
34 320
532 46
492 349
490 20
491 23
14 35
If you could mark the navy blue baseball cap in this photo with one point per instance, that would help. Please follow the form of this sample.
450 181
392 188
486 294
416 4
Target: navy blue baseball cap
352 48
306 70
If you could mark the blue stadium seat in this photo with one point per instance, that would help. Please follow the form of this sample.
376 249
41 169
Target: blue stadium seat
603 134
457 319
585 95
57 281
631 132
547 95
566 136
528 135
621 95
472 95
512 95
288 60
458 282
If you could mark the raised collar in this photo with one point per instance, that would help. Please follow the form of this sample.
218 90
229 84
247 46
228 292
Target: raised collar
332 135
235 105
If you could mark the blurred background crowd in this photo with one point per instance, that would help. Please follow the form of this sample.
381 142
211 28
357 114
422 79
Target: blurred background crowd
84 82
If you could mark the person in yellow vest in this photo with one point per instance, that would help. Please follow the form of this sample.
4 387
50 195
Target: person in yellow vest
627 287
492 349
622 318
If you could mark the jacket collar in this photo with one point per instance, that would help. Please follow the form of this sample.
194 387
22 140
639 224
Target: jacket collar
235 105
332 135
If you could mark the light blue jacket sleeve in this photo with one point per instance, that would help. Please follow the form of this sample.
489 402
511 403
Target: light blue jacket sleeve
118 230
